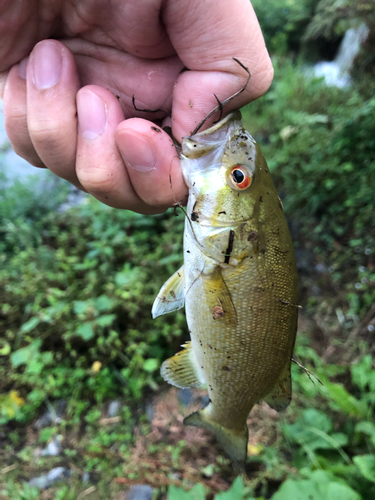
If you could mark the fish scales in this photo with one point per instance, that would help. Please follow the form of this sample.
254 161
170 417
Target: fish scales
248 376
239 285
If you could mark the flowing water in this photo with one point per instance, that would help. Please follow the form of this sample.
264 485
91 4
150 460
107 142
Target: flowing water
337 72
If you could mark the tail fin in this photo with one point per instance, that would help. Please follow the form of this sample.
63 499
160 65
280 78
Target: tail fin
233 442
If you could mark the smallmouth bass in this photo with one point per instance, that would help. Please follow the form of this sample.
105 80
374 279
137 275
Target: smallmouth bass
239 285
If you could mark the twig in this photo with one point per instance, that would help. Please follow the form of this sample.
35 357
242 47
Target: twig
8 469
109 420
221 105
86 492
308 372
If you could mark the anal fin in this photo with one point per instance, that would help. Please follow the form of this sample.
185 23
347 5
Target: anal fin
171 296
181 370
281 394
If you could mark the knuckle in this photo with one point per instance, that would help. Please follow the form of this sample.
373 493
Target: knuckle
16 127
97 180
268 73
263 77
46 132
53 142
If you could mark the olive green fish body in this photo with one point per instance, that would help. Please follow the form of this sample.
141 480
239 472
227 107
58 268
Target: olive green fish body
239 284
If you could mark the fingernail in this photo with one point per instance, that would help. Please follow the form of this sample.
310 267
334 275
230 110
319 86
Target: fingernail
136 151
92 114
22 67
47 64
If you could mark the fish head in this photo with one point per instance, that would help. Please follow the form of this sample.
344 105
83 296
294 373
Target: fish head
226 173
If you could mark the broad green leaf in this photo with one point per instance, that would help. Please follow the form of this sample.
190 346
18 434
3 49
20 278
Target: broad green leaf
104 303
235 492
338 491
106 320
150 365
318 419
30 325
366 428
4 347
343 400
85 331
319 486
81 306
366 466
35 366
196 493
127 277
363 373
25 354
313 429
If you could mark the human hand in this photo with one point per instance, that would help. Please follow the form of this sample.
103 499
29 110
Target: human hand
60 104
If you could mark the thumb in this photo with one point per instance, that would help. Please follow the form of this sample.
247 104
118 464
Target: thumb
207 37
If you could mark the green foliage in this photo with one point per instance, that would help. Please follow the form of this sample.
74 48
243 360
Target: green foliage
339 440
76 290
283 22
320 144
319 484
333 18
196 493
20 492
235 492
23 207
313 431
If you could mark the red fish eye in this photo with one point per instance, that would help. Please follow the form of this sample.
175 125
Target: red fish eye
239 177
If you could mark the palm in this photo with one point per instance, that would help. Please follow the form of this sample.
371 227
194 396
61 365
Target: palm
108 52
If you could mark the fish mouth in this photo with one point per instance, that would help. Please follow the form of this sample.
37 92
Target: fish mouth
234 116
216 222
200 144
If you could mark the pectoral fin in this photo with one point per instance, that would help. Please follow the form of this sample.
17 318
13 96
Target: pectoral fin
218 297
171 296
182 369
281 394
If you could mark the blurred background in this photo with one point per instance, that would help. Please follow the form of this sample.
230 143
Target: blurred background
83 410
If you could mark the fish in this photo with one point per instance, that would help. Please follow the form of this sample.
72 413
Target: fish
238 283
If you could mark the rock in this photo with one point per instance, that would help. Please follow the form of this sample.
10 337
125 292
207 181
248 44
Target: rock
204 401
113 408
185 396
47 480
52 416
54 448
321 268
86 477
140 492
150 412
